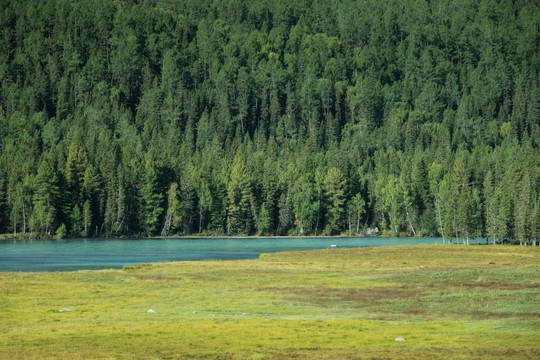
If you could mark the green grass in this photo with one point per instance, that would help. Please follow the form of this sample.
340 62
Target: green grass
448 302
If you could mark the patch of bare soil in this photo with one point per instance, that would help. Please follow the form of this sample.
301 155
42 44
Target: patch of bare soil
325 297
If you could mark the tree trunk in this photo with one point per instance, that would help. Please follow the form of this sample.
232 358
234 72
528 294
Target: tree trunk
440 220
200 218
119 228
318 215
409 219
358 222
167 225
349 224
24 218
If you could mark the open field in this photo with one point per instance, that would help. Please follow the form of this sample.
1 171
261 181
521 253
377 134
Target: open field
447 301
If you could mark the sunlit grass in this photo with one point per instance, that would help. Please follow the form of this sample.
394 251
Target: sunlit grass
447 301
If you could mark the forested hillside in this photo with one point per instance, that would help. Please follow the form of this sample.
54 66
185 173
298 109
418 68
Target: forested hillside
270 117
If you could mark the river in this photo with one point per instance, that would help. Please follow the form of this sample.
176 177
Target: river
91 254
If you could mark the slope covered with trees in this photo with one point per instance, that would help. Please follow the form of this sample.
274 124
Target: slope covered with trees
270 117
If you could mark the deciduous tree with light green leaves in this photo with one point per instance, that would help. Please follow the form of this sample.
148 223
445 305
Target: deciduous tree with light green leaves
355 210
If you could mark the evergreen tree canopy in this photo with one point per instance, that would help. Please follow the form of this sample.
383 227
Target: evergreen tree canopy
272 117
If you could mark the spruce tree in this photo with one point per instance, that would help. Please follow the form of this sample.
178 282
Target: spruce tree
45 199
238 198
334 191
152 198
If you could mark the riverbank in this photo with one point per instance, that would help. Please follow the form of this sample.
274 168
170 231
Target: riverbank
13 237
445 302
193 236
196 236
446 241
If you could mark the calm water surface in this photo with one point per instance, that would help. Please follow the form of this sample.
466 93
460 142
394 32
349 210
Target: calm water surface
81 254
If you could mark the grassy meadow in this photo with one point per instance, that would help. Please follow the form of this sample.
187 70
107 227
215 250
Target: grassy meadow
447 302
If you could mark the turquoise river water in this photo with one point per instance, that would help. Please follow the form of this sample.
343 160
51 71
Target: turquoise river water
87 254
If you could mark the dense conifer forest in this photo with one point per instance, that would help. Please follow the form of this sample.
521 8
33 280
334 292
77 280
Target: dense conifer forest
270 117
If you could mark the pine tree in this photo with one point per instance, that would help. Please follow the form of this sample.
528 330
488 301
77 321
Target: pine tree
205 200
440 187
172 215
87 217
269 207
77 221
463 214
476 219
462 193
286 206
535 221
334 191
238 198
490 207
45 199
76 165
188 199
22 204
422 207
152 199
305 204
91 193
407 201
503 214
3 205
522 211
